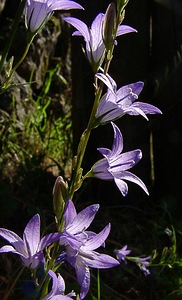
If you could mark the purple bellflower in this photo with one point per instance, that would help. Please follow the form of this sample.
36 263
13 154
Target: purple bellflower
82 255
122 253
115 103
30 248
74 233
143 264
58 288
115 164
38 12
93 37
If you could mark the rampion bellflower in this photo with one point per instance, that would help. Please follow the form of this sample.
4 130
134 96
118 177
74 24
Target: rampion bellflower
115 164
116 103
93 37
30 248
58 288
37 12
122 253
81 254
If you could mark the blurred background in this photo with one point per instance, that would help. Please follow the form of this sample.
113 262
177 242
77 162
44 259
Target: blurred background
41 123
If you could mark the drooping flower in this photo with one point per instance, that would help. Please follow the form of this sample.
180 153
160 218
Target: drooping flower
80 251
143 264
93 36
37 12
30 248
122 253
58 288
116 103
115 164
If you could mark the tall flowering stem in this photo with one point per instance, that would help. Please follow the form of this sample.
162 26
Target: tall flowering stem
12 35
77 176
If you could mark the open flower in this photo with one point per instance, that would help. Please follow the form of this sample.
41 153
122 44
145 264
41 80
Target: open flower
80 250
93 36
38 11
122 253
115 103
58 288
30 248
74 232
115 164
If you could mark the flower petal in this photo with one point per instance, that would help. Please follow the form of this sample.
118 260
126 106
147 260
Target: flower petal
83 220
123 29
13 239
48 239
69 212
133 178
31 235
101 261
97 240
80 26
83 277
64 5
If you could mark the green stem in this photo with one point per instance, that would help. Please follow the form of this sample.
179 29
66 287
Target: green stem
21 59
12 35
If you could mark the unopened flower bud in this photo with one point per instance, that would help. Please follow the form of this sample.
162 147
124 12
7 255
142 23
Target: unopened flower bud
121 5
60 195
109 24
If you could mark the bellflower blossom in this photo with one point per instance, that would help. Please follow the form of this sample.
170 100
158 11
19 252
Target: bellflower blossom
58 288
30 248
122 253
37 12
74 232
82 256
115 103
143 263
93 36
115 164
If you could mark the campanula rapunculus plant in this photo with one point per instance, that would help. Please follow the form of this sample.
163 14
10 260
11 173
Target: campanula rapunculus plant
80 244
115 164
37 12
116 103
93 37
74 243
30 248
58 288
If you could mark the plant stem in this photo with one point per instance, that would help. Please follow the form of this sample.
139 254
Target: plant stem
12 35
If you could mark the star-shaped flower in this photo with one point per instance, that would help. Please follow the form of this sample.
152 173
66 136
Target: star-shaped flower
93 36
115 164
122 253
80 250
116 103
30 248
58 288
38 11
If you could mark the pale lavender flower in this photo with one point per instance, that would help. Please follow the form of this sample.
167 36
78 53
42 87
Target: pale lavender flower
93 36
30 248
115 164
37 12
116 103
122 253
80 251
143 263
58 288
74 232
